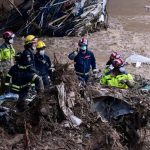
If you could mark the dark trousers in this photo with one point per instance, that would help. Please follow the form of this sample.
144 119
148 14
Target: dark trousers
45 80
83 77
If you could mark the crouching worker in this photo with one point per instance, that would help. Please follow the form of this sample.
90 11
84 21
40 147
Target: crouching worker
109 64
84 60
43 64
19 81
117 77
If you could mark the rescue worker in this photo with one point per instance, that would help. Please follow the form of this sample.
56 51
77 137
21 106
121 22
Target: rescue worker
117 77
7 53
43 63
28 53
19 81
109 64
113 56
84 60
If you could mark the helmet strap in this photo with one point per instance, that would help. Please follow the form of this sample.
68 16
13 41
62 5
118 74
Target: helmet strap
7 41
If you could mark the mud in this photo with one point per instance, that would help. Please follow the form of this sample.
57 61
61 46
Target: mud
102 44
128 33
50 130
133 14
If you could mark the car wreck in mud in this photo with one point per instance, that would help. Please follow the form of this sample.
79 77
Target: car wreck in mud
56 17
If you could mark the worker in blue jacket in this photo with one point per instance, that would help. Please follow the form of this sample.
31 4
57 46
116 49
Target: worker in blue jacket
19 80
43 63
84 60
28 54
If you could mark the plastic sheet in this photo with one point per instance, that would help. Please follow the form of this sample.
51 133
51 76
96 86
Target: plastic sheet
138 58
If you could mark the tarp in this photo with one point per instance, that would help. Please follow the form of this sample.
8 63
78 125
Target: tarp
138 58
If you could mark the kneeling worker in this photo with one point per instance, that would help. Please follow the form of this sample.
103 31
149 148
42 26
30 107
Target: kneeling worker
117 77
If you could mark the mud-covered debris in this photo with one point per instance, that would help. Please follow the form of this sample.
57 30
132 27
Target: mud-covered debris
56 18
45 123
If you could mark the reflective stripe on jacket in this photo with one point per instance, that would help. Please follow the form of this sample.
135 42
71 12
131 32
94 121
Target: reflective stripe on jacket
115 81
18 79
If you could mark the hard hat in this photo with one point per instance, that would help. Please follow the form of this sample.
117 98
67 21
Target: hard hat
40 45
117 63
8 35
113 55
18 57
83 42
30 39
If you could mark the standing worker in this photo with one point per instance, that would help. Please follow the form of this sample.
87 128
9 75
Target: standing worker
84 60
43 63
7 54
28 54
19 80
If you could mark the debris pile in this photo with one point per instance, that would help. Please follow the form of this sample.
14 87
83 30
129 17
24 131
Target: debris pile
57 17
47 121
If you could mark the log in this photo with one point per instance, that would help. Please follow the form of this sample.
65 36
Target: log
12 3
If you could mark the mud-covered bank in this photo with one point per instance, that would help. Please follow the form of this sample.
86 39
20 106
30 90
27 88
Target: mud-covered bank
133 14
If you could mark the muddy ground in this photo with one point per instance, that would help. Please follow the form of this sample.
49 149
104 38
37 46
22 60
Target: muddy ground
128 33
102 44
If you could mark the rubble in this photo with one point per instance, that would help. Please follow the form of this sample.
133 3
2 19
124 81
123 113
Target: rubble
57 17
45 123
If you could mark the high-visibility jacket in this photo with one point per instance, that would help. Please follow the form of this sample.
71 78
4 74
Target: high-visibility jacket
115 81
6 52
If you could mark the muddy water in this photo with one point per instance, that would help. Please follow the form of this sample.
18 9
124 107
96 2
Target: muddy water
128 33
132 13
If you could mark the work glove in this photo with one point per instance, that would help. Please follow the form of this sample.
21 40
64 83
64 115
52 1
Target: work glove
52 68
72 55
122 69
96 73
123 81
130 83
111 67
51 73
